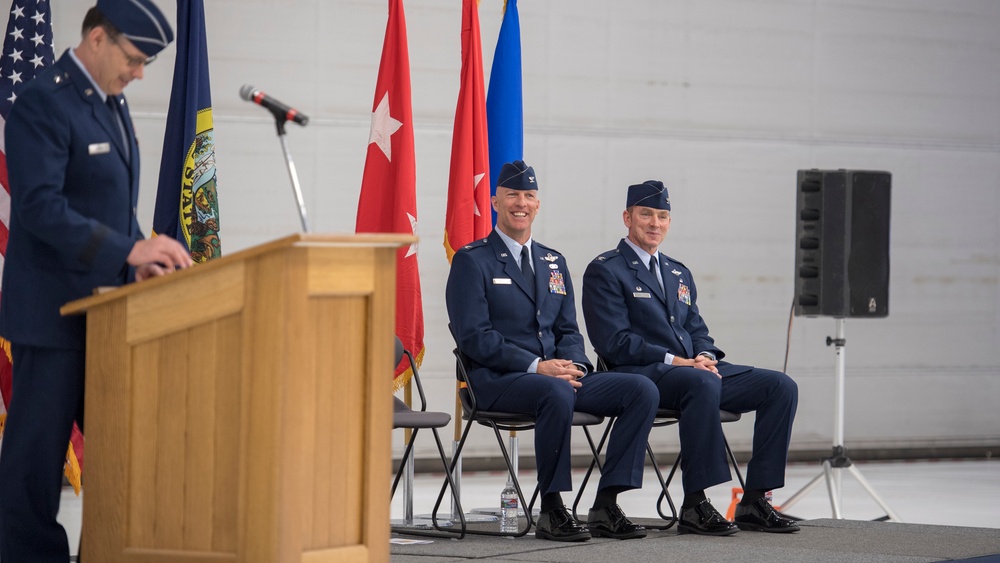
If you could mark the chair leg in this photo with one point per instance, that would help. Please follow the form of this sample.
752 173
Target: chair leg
449 479
510 469
664 491
732 460
594 462
534 497
442 532
454 489
517 487
736 464
402 464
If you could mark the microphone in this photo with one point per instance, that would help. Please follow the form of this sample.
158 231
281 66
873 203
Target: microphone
280 110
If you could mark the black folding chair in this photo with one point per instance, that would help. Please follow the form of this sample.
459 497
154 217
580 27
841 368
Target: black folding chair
405 417
506 421
664 417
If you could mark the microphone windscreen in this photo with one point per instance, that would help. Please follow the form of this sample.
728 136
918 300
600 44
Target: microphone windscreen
246 92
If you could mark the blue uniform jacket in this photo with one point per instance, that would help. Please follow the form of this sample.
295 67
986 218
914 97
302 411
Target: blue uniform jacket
73 199
500 323
633 324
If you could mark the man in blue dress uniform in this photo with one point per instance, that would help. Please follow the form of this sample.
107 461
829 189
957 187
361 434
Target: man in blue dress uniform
510 301
641 310
73 166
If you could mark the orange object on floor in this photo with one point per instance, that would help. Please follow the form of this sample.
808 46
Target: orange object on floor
737 495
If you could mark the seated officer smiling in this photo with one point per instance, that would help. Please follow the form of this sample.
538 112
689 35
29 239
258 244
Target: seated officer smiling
641 309
510 302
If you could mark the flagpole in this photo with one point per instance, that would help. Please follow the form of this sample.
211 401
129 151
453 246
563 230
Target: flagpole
280 124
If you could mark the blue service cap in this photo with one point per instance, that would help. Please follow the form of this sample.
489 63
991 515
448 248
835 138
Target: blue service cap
651 193
141 22
517 176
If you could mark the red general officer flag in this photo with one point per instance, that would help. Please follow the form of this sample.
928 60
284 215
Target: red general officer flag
468 215
388 202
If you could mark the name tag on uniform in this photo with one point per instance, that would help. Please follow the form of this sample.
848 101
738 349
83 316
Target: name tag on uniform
99 148
641 295
501 281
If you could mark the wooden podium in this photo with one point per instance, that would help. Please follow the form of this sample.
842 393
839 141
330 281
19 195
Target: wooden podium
241 410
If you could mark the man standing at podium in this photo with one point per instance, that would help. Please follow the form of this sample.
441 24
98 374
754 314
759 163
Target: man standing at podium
73 166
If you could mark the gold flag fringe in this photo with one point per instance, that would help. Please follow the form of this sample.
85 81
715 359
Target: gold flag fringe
72 467
72 470
405 377
448 250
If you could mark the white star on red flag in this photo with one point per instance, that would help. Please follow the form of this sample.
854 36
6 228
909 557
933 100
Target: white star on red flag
475 186
383 126
413 225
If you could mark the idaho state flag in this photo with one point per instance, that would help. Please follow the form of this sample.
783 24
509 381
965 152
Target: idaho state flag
468 215
388 202
187 204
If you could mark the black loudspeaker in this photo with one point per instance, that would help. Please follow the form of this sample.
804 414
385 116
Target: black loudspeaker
842 243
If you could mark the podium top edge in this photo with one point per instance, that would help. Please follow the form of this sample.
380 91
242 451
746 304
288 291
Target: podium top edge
298 240
359 239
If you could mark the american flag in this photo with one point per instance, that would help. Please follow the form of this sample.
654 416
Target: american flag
27 51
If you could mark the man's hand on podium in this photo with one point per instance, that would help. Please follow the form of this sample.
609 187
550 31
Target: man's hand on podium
158 256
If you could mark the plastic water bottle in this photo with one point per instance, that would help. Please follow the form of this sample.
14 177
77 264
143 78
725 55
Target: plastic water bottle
508 510
769 497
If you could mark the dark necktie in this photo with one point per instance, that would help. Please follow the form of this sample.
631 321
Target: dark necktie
113 106
526 270
653 266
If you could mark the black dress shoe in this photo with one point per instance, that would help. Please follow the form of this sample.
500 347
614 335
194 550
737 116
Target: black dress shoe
704 519
762 517
558 525
611 522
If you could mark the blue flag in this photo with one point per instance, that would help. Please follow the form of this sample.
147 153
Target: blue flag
187 205
504 107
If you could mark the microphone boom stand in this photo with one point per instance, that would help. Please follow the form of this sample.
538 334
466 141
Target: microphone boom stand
279 122
838 459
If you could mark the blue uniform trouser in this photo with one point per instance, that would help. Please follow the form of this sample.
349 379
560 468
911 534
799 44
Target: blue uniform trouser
629 397
699 394
47 398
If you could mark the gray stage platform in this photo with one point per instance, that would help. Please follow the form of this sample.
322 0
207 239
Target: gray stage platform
842 541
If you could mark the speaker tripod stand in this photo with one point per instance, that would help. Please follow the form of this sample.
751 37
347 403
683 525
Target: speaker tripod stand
838 461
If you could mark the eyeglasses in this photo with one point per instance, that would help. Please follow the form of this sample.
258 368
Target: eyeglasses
134 62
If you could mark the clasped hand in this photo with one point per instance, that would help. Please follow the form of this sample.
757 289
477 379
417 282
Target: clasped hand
699 362
562 369
705 363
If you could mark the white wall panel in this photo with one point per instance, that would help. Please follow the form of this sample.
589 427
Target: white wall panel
723 100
